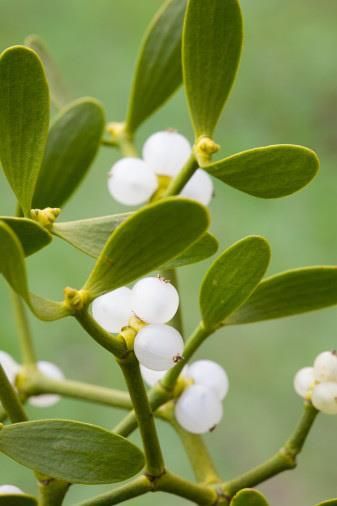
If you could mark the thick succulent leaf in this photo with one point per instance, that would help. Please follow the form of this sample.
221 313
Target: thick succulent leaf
17 500
71 451
31 235
212 40
268 172
58 92
330 502
249 497
204 248
12 267
289 293
158 71
232 278
147 240
73 142
24 118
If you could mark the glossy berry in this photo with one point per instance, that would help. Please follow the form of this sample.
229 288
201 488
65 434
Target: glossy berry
325 366
132 182
10 490
154 300
211 375
166 152
9 365
51 371
113 310
158 347
304 381
324 398
150 376
198 409
199 187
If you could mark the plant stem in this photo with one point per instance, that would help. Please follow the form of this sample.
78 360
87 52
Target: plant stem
134 488
10 399
199 494
177 320
283 460
144 415
26 341
178 183
198 455
52 492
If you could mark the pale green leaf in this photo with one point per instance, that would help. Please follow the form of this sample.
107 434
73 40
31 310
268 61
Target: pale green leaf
32 236
158 70
212 40
204 248
71 451
73 141
232 278
268 172
17 500
330 502
249 497
24 118
147 240
289 293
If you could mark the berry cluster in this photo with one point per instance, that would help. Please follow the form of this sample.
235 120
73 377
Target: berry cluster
133 181
12 368
319 383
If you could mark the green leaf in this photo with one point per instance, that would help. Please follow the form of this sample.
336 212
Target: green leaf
249 497
17 500
158 71
71 451
330 502
12 267
212 40
232 278
32 236
24 118
289 293
58 92
73 142
268 172
204 248
147 240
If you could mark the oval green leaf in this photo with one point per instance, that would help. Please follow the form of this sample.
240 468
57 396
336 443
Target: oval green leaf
58 92
330 502
268 172
31 235
71 451
158 71
73 142
249 497
204 248
232 278
24 118
289 293
17 500
12 267
147 240
212 40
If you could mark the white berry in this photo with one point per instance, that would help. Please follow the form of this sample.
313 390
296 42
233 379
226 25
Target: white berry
113 310
304 381
9 365
154 300
158 347
166 152
324 398
211 375
198 409
132 182
152 377
10 490
51 371
325 366
199 187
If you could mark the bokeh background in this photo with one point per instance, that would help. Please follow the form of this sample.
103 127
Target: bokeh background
286 92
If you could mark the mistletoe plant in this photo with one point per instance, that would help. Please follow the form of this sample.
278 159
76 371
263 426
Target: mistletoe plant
197 42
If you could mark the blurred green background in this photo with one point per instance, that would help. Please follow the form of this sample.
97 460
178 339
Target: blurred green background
286 92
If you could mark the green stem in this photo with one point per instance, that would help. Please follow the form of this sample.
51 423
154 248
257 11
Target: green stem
199 494
177 320
178 183
52 492
26 341
110 144
198 455
283 460
10 399
134 488
144 415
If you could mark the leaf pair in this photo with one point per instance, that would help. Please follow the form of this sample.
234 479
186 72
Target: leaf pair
71 451
232 292
43 169
249 497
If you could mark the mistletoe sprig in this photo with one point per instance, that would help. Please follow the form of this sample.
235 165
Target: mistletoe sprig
197 43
